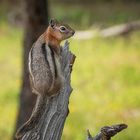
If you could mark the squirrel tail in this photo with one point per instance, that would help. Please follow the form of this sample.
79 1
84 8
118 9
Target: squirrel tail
35 117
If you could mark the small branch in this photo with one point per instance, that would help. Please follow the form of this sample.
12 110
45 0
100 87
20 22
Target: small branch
115 30
56 110
122 29
107 132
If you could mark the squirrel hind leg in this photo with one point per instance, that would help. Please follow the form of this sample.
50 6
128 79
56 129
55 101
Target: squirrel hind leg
58 84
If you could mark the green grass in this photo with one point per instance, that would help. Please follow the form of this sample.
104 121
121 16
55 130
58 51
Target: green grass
105 78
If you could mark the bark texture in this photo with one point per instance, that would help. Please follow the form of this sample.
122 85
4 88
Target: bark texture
36 22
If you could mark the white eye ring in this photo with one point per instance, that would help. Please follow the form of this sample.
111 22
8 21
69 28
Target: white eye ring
62 29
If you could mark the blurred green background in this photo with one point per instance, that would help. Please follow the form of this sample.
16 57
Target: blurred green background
106 74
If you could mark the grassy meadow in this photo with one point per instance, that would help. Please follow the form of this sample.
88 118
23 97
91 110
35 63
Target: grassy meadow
105 79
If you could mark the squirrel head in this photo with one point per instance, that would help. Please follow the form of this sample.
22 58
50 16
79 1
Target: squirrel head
58 31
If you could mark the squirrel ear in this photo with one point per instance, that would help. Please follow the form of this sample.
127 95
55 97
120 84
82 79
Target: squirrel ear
53 22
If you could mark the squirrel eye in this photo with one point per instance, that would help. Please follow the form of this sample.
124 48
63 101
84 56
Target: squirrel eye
62 28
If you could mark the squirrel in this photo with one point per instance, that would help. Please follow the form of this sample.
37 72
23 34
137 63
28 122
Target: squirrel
45 72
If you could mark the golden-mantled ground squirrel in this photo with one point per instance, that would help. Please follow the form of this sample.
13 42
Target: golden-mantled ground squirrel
45 69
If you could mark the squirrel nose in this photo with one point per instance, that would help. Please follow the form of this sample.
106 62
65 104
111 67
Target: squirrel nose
73 32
